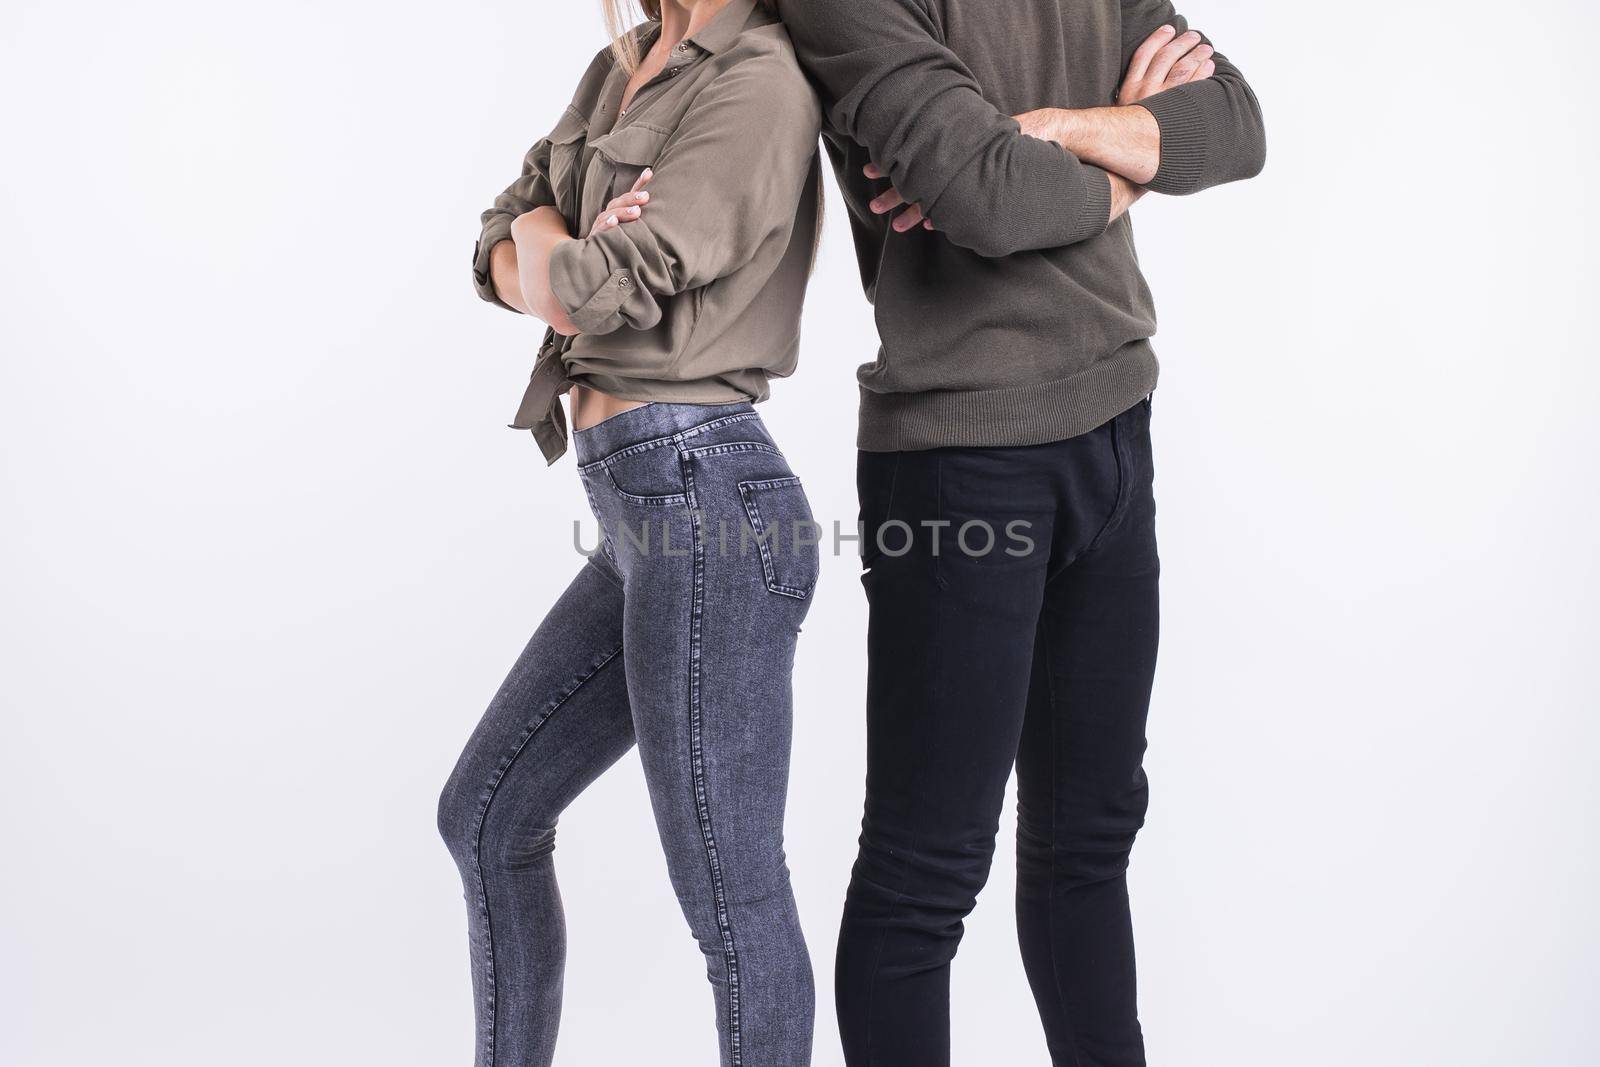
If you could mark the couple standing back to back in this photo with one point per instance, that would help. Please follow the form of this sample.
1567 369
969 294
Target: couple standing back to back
988 152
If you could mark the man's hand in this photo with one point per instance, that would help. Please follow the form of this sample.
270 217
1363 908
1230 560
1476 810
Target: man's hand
890 199
1124 140
1164 62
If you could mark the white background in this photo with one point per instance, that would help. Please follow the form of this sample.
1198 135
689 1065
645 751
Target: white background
268 549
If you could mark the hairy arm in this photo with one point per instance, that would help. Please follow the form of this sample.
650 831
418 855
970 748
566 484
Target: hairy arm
1185 119
1169 132
1126 139
1211 128
889 84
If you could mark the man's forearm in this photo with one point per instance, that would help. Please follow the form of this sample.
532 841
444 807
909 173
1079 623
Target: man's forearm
1124 140
891 85
1124 194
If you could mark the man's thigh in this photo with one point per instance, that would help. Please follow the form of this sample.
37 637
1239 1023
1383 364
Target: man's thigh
1080 768
955 547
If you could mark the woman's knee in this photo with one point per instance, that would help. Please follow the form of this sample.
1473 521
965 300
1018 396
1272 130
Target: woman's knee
492 830
457 818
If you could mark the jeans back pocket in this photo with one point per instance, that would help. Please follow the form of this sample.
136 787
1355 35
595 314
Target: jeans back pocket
784 533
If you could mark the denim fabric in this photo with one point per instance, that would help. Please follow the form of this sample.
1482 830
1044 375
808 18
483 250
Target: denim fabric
679 634
1041 657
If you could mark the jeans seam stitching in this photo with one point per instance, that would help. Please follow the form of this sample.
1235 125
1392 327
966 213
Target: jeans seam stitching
477 839
731 447
697 774
665 439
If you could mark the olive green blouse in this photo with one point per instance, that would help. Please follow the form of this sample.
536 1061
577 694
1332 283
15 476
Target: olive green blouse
699 300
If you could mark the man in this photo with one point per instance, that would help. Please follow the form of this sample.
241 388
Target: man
1010 395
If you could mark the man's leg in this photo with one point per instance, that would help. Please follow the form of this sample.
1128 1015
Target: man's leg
950 644
1081 787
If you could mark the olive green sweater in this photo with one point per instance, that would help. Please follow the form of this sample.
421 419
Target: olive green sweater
1024 318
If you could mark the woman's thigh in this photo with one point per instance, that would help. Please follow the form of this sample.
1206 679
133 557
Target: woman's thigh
710 626
560 718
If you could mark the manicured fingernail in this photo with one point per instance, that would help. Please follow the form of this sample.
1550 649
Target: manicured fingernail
1166 29
647 172
612 220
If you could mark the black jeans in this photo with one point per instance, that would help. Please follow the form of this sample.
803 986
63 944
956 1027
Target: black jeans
1041 655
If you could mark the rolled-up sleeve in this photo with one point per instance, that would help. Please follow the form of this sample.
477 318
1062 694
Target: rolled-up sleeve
593 289
530 190
1211 130
757 122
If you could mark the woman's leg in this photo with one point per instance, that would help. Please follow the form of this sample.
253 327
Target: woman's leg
559 720
710 634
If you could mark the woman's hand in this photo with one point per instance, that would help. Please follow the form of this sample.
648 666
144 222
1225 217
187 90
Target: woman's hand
629 207
539 232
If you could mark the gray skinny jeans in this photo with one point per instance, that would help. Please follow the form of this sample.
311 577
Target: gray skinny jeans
678 635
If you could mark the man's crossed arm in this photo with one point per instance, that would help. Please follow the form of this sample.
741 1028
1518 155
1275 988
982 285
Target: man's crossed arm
1124 140
997 184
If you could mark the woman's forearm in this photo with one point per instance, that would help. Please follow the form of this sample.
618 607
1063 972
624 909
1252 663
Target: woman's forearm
535 235
507 280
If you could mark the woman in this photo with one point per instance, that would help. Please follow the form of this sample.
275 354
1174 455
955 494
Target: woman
686 163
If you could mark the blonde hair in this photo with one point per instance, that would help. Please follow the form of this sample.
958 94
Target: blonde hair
619 21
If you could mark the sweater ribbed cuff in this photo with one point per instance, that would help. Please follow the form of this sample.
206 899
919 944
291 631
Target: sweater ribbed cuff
1095 214
1184 138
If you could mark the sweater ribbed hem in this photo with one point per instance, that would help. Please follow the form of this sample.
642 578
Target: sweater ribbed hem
1016 415
1184 141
